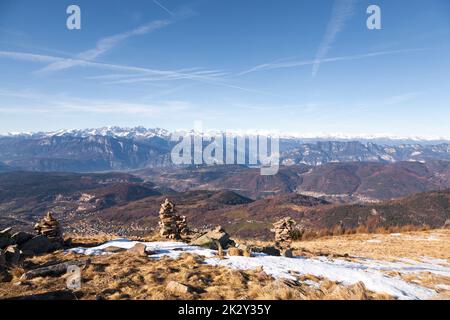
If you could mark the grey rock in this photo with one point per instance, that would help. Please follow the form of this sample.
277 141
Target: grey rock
5 240
12 255
54 270
269 250
2 260
179 288
6 231
287 253
37 245
21 237
211 238
138 249
114 249
5 276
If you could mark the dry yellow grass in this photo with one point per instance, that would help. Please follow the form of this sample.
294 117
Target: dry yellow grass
388 247
126 276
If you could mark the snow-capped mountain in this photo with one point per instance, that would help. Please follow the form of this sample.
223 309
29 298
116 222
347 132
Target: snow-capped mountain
116 148
141 132
130 133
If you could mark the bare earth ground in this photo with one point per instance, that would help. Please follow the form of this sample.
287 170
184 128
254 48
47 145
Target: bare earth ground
127 276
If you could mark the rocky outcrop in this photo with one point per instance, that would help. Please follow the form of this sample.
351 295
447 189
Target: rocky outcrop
53 270
14 247
233 251
5 238
21 237
214 239
38 245
269 250
139 249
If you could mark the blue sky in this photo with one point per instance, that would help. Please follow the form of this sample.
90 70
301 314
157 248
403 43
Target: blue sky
301 66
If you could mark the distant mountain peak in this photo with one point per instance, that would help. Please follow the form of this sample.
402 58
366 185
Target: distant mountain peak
143 132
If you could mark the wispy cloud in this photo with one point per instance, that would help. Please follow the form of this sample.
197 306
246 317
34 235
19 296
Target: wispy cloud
36 102
104 45
163 7
212 77
301 63
401 98
190 73
108 43
342 11
24 56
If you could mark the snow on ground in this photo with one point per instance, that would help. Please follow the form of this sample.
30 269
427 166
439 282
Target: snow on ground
431 237
372 241
443 286
370 272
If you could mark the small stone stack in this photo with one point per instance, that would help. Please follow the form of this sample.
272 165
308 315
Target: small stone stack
168 221
283 231
182 226
50 228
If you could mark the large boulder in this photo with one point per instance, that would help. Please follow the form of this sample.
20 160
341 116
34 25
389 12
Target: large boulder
5 238
2 260
179 288
287 253
138 249
212 238
12 255
21 237
37 245
5 276
233 251
269 250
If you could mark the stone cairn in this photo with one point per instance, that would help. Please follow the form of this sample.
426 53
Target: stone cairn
182 225
171 225
283 232
50 228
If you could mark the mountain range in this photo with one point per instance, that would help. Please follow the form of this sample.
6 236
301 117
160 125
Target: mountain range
335 182
114 148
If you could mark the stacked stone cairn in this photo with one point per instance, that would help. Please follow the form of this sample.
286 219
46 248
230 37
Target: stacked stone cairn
182 226
283 235
283 231
171 225
50 228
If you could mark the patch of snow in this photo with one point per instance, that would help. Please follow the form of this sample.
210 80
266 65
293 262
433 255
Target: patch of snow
163 248
436 261
430 238
443 286
312 283
370 272
373 241
407 266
